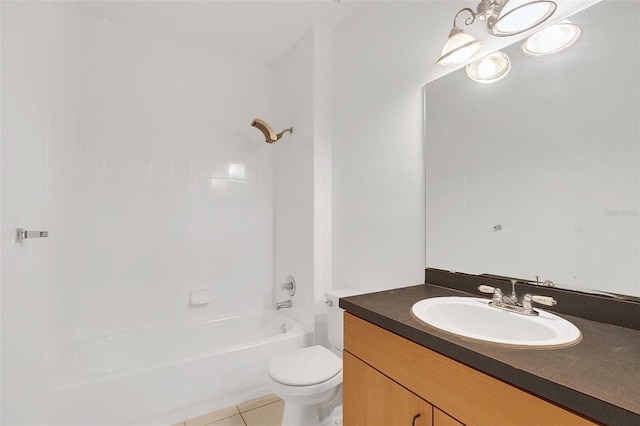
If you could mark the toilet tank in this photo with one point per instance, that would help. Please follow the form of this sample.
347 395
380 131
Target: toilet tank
335 318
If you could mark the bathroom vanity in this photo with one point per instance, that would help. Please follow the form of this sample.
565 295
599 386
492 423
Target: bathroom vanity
398 371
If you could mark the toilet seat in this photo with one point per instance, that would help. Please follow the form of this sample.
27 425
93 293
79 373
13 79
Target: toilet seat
305 367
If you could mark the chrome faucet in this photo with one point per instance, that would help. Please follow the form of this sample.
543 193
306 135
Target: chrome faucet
512 304
283 304
513 299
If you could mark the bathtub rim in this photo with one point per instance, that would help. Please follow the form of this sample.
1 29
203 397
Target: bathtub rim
67 379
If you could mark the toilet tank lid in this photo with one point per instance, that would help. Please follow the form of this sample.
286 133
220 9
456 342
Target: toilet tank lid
342 292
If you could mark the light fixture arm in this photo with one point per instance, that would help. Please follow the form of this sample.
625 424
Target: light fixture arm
467 21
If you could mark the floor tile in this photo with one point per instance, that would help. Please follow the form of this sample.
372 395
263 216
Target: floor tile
209 418
267 415
258 402
230 421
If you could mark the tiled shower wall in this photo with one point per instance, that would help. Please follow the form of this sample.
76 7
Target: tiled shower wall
174 188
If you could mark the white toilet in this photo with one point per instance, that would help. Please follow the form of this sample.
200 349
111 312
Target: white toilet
309 380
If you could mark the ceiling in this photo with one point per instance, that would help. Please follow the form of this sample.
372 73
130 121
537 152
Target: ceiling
259 30
265 30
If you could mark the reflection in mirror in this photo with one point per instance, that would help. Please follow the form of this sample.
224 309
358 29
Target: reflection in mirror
538 174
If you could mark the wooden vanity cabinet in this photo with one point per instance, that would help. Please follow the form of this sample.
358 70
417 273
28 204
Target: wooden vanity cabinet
389 379
374 399
441 418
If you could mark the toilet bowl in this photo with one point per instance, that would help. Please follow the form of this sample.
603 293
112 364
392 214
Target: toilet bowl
309 380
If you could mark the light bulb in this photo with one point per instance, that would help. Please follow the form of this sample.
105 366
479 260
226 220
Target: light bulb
489 69
552 39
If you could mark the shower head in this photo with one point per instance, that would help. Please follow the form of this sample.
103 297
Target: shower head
269 134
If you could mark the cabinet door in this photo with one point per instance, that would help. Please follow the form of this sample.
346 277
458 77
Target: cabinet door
373 399
440 418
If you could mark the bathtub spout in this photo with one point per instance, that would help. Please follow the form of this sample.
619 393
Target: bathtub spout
285 304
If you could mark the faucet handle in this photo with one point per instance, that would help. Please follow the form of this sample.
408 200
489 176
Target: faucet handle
487 289
544 300
497 294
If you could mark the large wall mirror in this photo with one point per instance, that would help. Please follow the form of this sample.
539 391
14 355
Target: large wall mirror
538 174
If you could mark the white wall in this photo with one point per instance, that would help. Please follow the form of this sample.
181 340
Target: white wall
39 128
380 62
25 82
175 186
323 156
293 175
63 156
302 175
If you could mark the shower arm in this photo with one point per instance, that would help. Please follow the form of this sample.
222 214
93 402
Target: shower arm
290 130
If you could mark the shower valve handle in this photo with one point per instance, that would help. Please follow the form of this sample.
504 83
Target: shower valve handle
289 286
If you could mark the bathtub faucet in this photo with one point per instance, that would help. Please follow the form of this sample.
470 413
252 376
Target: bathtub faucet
285 304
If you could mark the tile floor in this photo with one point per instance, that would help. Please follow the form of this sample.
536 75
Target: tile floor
263 411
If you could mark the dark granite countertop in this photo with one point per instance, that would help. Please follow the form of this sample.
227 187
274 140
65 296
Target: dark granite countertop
599 377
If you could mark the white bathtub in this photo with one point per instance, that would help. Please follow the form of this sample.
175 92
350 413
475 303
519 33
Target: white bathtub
165 374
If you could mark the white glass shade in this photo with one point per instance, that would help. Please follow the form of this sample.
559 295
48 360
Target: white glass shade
552 39
489 69
458 49
517 16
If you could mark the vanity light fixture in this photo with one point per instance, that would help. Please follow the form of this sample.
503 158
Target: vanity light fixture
503 17
552 39
460 46
489 69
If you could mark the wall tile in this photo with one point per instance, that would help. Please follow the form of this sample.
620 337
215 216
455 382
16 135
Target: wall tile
162 184
218 168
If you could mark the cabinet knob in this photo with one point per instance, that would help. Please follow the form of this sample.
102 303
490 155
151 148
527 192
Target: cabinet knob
413 422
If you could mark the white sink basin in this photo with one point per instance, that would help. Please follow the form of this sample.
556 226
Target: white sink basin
473 318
